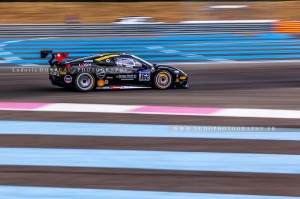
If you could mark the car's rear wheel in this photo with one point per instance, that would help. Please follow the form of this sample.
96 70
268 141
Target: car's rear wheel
163 80
84 82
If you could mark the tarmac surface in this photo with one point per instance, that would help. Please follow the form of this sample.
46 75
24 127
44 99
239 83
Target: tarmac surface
262 86
269 86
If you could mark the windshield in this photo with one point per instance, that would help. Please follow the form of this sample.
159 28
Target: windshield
144 61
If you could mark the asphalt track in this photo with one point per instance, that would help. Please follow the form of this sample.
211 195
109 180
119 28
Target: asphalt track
269 86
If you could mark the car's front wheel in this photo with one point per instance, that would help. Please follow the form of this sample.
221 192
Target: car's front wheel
163 80
84 82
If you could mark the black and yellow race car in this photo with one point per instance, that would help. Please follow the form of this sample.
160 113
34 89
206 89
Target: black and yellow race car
111 71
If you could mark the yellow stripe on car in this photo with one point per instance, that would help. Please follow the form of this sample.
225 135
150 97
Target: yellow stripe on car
106 57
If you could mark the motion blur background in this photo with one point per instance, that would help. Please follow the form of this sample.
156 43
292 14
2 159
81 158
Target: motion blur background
233 134
165 11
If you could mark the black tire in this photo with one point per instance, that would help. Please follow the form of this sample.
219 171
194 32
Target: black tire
84 82
163 80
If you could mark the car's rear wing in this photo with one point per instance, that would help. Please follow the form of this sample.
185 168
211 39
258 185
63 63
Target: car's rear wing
59 56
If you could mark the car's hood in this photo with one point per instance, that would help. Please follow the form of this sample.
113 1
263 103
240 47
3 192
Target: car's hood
169 67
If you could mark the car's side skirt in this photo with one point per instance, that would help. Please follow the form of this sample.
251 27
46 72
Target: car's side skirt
121 87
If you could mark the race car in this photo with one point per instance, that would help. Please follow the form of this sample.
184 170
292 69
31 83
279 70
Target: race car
111 71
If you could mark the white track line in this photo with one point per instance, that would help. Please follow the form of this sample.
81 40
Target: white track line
155 110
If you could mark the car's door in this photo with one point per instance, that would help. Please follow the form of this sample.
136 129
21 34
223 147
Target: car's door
105 70
132 71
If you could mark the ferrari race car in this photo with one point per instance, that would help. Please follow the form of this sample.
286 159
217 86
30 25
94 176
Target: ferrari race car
111 71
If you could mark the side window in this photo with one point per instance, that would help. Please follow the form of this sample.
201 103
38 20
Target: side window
127 62
138 64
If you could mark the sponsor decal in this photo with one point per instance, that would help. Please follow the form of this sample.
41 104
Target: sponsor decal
126 77
144 75
62 72
116 87
118 70
120 87
85 64
106 81
163 67
100 73
100 83
68 79
88 61
106 87
107 60
103 88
